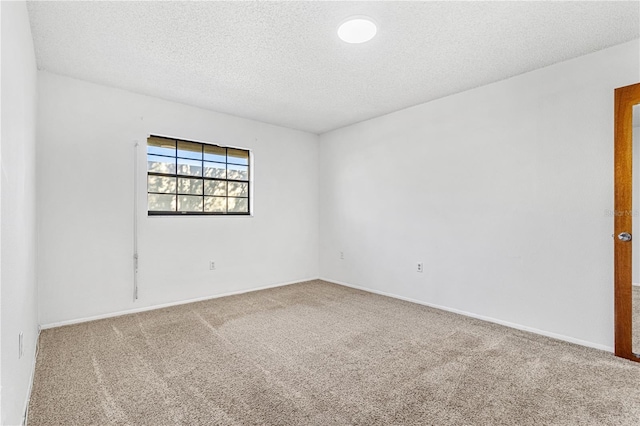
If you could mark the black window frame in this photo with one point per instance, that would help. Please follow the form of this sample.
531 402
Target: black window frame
202 177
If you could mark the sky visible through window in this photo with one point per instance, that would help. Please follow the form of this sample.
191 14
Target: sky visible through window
194 178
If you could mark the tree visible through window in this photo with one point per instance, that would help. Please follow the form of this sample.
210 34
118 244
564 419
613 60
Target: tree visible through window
195 178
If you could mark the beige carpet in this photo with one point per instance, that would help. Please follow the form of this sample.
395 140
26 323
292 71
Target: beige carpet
320 354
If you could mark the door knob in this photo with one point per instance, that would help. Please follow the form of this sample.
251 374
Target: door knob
624 236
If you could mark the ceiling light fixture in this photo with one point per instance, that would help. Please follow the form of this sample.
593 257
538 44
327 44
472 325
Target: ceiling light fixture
357 29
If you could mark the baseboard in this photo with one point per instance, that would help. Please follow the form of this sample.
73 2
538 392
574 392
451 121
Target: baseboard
636 284
395 296
480 317
25 417
167 305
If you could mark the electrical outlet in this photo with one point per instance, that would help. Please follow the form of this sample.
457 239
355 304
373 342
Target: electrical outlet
20 345
212 265
341 255
420 267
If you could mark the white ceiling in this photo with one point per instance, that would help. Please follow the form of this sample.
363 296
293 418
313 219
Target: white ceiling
282 63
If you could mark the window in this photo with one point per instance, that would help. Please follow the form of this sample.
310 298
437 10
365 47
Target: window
191 178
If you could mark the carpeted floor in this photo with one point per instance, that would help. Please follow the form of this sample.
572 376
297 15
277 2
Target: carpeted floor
320 354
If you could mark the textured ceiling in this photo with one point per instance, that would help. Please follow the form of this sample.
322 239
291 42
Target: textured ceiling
282 63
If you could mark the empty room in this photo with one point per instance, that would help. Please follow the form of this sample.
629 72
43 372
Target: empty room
320 213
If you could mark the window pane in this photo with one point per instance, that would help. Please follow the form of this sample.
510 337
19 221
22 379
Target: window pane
238 189
162 203
237 156
190 150
238 205
189 167
215 187
161 146
161 164
215 153
189 203
215 204
196 177
161 184
215 170
190 186
237 172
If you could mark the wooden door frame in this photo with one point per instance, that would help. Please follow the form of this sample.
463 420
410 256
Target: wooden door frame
625 98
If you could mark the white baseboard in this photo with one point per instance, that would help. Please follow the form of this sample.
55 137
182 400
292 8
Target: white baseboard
167 305
395 296
636 284
480 317
25 417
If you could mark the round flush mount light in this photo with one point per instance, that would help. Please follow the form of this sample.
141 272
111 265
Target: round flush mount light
357 29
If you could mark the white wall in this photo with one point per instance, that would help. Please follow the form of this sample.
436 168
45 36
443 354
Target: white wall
501 191
18 194
85 181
